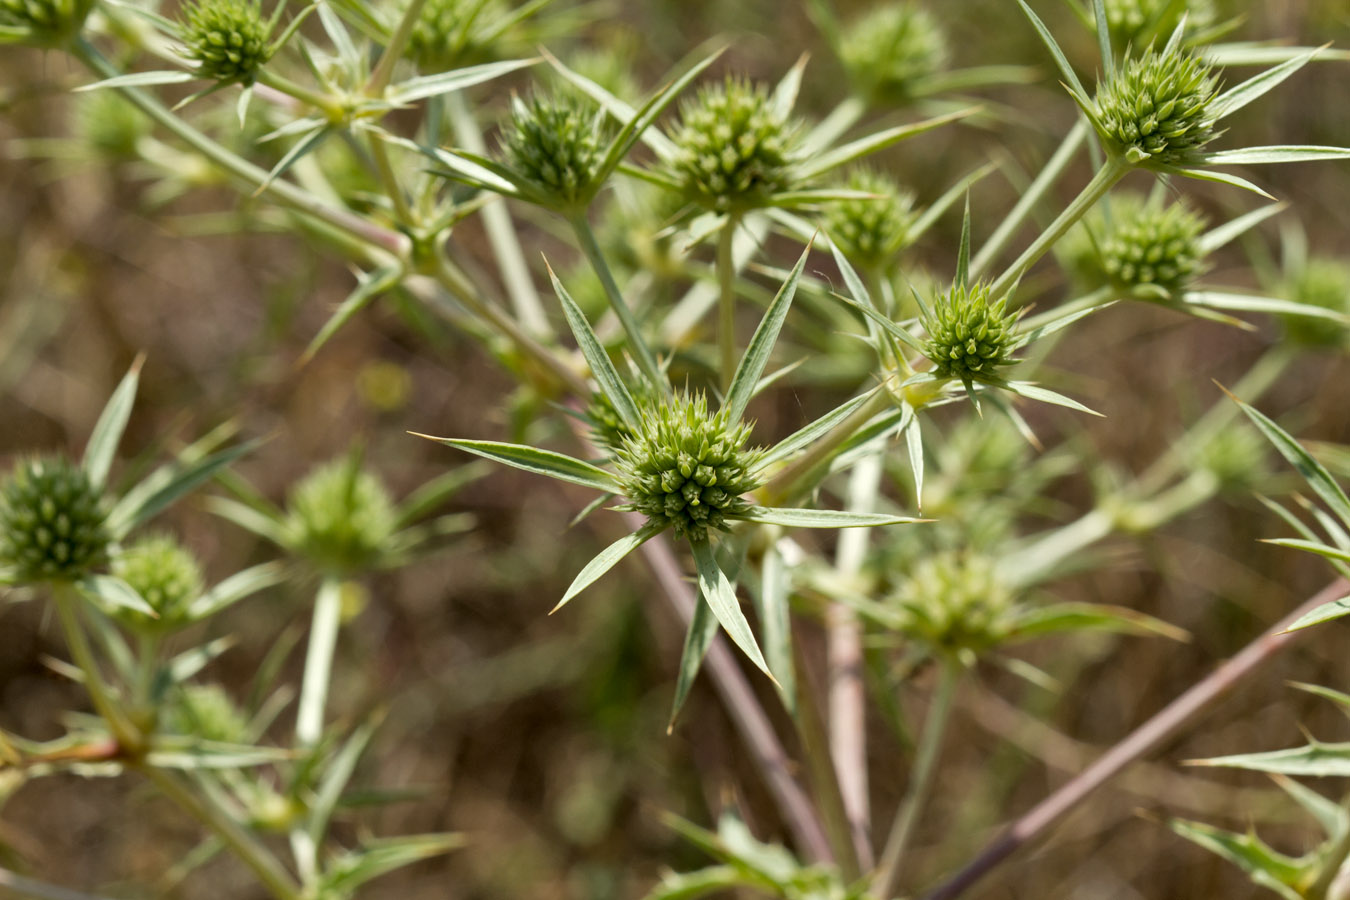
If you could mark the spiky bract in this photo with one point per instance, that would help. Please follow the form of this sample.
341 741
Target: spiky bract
1157 109
969 335
341 517
558 145
686 468
889 50
227 38
871 231
52 522
165 574
733 148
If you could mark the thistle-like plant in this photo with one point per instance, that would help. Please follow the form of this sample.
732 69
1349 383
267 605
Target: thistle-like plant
872 230
227 39
892 52
42 23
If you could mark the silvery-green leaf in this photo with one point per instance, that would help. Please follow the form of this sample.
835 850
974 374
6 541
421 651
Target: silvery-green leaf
166 485
611 384
1238 96
1217 237
702 631
112 423
1062 617
1263 865
532 459
455 80
841 156
607 559
1333 609
718 591
823 518
235 588
1313 472
1255 156
369 285
141 79
761 345
1065 70
116 594
809 433
1317 760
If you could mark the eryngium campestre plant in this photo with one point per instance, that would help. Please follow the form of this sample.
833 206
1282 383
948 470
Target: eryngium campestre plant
888 50
969 335
1152 245
52 522
871 231
686 468
207 712
1156 109
608 429
556 144
165 574
443 36
44 23
227 38
733 148
1322 282
954 602
1130 20
340 517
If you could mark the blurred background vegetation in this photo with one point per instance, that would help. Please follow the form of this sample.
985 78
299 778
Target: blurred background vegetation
542 737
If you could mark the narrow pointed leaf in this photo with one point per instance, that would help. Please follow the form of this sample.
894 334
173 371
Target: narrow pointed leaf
1313 472
1034 392
823 518
890 327
772 605
1258 156
249 519
1065 70
840 156
237 587
702 631
1041 331
337 774
1316 760
720 595
1220 178
382 857
963 251
611 384
914 445
761 345
455 80
368 286
1058 618
1238 96
785 92
141 79
1262 865
532 459
1324 613
112 423
1103 38
806 435
1214 239
607 559
116 594
172 483
306 145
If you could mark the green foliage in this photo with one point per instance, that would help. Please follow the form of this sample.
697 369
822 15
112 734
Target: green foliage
953 602
1323 282
444 36
686 468
1136 23
53 523
228 39
44 23
206 711
1158 108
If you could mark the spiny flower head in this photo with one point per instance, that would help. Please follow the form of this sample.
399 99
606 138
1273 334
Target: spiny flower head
52 522
340 517
891 48
443 35
1129 21
969 335
733 148
1323 282
608 429
227 38
207 712
686 468
44 23
1236 457
1150 244
954 601
165 574
107 121
871 231
556 143
1156 109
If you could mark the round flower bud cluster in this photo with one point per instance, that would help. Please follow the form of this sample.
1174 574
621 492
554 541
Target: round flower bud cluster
207 712
165 574
968 335
44 23
557 145
109 123
1236 457
227 38
871 231
608 429
890 49
1132 22
340 517
1152 246
686 468
442 36
1156 110
954 601
1323 282
52 522
733 148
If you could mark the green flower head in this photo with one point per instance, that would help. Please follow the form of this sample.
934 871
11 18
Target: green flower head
443 37
43 23
871 231
1323 282
686 468
340 517
557 144
1148 244
890 49
1134 22
227 38
969 336
733 150
207 712
107 121
165 574
608 428
52 522
955 601
1156 109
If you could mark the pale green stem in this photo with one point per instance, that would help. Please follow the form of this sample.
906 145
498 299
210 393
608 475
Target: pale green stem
920 779
641 352
847 710
385 168
323 632
501 232
398 41
122 728
459 285
1032 196
1333 860
330 106
1105 179
726 304
1029 564
252 853
283 192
